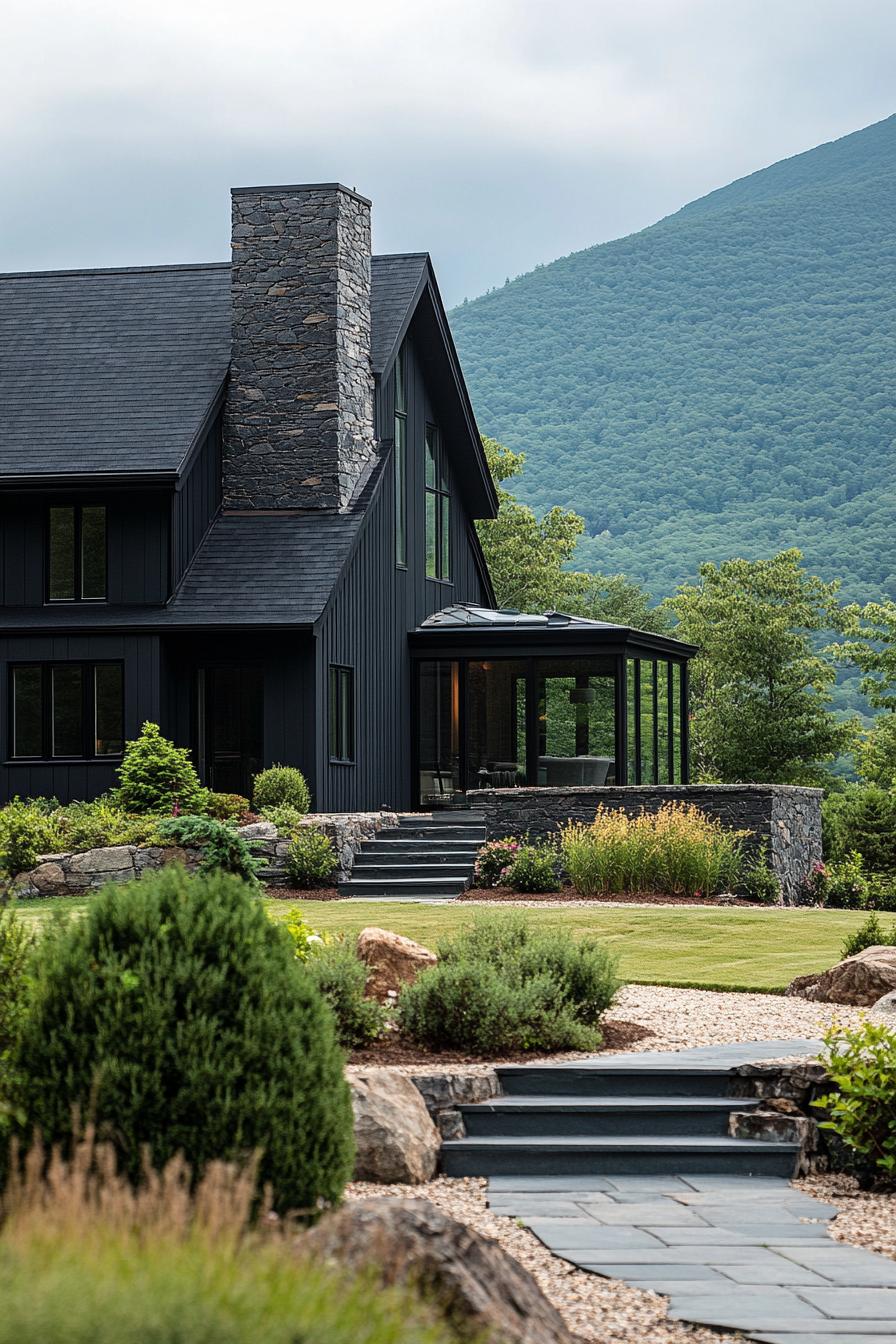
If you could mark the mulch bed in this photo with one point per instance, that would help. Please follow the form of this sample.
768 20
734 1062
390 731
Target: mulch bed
570 894
395 1049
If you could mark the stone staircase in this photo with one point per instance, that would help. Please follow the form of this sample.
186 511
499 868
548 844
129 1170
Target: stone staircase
426 857
603 1118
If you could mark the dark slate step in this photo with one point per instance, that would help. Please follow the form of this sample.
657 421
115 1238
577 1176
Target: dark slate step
603 1080
473 835
459 816
376 868
413 863
602 1117
648 1155
403 886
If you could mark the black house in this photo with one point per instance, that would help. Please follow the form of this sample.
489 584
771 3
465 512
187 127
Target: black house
239 499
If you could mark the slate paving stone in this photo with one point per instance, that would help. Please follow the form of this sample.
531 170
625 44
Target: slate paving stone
683 1255
799 1337
848 1266
550 1183
831 1332
785 1273
639 1215
756 1311
736 1214
745 1235
568 1235
856 1303
705 1273
541 1208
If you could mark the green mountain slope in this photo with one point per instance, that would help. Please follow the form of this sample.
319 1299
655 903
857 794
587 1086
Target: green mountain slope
719 384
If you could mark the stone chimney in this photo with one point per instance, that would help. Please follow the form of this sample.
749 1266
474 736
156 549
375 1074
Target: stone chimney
298 423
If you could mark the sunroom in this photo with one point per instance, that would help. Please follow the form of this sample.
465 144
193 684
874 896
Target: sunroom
504 699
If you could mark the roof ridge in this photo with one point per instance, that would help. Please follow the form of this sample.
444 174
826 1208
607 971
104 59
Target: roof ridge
118 270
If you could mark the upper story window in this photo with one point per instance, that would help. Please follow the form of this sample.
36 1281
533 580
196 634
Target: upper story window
438 509
400 460
73 710
76 553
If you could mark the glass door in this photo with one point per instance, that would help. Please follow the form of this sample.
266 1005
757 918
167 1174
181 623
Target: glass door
438 732
231 718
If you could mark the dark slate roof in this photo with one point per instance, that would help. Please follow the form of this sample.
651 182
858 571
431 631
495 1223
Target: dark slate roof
115 371
395 282
109 371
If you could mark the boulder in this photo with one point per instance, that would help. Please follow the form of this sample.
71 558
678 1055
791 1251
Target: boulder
393 961
481 1290
887 1005
860 980
395 1138
48 878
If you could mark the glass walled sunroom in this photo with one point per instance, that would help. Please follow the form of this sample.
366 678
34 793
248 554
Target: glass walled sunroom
504 700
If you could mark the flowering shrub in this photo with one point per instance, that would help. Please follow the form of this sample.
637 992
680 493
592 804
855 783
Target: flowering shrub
493 861
533 869
813 890
678 850
847 885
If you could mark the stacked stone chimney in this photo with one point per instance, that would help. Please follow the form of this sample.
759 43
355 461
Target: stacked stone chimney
298 423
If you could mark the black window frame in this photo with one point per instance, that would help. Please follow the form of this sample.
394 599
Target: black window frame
400 459
441 493
341 735
88 670
77 511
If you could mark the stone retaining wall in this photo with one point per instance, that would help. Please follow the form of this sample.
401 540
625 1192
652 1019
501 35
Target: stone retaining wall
71 874
788 818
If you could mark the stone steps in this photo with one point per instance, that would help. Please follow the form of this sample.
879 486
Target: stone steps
425 857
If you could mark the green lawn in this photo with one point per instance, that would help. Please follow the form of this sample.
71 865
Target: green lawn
688 945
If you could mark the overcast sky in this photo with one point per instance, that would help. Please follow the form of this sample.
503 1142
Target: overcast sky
494 133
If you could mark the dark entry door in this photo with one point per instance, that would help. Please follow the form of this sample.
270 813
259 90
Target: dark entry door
231 709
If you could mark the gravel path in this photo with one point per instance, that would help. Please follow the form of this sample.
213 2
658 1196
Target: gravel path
596 1310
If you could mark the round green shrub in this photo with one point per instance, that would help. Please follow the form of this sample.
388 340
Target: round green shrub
287 819
279 785
504 986
311 859
533 869
175 1014
224 806
156 776
336 969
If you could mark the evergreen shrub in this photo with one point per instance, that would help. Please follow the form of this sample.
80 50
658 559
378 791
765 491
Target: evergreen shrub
279 785
156 777
337 971
311 859
223 848
504 986
175 1015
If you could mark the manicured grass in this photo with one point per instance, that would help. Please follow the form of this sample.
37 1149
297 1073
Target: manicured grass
687 945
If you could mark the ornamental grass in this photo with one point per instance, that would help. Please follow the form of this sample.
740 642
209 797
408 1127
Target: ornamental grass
677 851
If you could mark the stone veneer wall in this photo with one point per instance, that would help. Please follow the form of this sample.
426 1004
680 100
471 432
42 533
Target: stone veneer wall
298 421
788 818
73 874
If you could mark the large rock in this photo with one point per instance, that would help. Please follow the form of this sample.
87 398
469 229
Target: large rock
481 1290
395 1137
887 1005
393 961
860 980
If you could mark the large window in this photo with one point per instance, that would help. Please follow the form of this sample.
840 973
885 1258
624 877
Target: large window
342 713
400 461
438 509
654 727
65 710
76 553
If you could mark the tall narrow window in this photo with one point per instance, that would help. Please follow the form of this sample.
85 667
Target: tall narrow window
438 509
400 461
76 553
342 713
65 710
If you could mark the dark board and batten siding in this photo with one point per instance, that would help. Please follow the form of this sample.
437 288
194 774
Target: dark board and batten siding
137 531
367 621
197 501
77 779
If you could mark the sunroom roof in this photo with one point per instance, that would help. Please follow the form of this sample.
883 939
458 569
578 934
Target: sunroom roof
466 614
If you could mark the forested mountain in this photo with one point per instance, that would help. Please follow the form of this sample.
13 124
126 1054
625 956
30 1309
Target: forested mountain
722 383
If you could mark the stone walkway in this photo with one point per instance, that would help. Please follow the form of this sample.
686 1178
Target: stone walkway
744 1253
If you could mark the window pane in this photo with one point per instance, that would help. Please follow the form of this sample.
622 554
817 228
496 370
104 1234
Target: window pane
431 453
632 724
333 708
438 726
108 710
662 722
93 552
431 505
445 538
68 704
61 585
495 724
27 711
347 715
401 403
576 721
676 723
401 494
648 763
